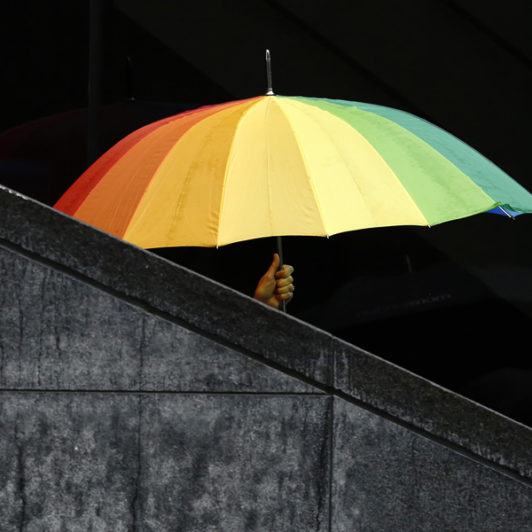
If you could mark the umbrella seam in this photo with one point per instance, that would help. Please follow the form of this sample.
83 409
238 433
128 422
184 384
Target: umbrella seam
431 147
164 122
377 112
420 139
209 107
159 123
150 182
333 144
113 148
384 162
305 164
230 157
382 159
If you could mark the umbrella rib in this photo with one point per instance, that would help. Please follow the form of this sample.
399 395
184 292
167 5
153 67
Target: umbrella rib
229 159
208 111
437 151
117 206
146 188
380 156
429 146
332 143
308 173
115 156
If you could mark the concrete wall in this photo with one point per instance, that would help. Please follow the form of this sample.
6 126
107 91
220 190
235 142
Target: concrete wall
137 395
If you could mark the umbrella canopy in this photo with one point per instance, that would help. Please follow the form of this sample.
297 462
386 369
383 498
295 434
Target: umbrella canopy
275 165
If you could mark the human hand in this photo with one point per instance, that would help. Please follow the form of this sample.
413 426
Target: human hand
276 285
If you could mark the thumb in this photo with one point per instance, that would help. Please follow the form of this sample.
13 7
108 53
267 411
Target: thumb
274 265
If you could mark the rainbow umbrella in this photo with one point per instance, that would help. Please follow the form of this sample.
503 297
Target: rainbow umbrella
276 165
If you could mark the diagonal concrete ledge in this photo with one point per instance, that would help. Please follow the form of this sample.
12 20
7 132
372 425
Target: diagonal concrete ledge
295 348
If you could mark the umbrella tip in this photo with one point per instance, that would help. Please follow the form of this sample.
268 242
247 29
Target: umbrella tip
510 215
269 91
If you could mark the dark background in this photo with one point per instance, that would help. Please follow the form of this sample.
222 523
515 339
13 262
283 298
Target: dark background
452 303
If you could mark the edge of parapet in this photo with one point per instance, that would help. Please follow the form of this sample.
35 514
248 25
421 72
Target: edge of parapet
296 348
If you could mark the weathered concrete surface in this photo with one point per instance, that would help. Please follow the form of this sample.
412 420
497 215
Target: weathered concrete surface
60 333
386 477
108 461
241 462
433 409
137 395
68 461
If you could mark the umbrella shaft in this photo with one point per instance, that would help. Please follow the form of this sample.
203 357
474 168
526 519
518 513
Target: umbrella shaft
281 262
280 251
